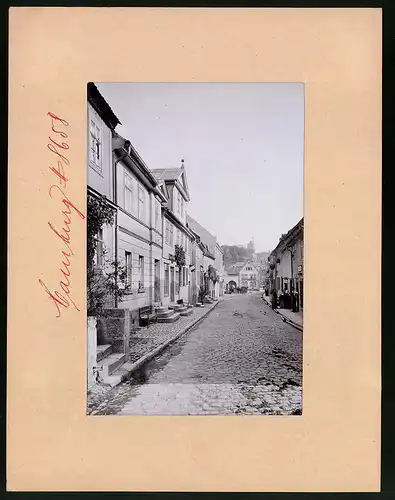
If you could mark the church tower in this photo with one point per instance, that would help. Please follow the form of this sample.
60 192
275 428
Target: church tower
251 248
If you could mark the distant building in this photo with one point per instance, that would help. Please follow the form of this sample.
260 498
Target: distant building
207 253
242 274
251 246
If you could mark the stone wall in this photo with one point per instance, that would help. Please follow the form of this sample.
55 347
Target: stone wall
91 351
115 329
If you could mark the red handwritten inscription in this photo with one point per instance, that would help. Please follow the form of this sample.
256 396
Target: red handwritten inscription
58 148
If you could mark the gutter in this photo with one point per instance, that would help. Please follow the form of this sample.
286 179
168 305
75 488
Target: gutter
115 190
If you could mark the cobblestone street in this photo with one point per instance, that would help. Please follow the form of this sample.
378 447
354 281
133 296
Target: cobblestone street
242 359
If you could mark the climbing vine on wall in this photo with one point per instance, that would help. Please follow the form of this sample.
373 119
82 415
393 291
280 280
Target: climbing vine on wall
212 274
179 256
107 283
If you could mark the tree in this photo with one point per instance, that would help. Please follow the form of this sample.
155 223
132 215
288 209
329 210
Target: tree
235 253
108 281
212 274
179 258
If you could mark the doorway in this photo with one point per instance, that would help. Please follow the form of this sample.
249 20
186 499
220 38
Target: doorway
157 281
172 297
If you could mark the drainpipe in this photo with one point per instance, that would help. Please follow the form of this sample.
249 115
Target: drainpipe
292 269
115 190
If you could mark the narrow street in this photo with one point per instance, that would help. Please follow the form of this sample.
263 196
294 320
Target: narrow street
240 360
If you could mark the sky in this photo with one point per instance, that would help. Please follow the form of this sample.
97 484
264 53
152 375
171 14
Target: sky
242 145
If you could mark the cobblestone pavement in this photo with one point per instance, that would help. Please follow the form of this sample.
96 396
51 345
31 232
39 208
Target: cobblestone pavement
146 339
240 360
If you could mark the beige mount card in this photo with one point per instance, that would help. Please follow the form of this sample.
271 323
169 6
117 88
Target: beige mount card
335 445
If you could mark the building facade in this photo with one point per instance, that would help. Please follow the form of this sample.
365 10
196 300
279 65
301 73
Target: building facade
242 274
100 176
176 235
139 226
219 265
249 276
285 273
208 254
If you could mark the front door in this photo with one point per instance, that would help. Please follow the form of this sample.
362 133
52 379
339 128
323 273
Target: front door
157 281
172 297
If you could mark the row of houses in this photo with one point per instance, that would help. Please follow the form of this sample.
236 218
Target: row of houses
285 271
151 221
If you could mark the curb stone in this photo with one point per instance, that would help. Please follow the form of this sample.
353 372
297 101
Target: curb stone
285 319
133 367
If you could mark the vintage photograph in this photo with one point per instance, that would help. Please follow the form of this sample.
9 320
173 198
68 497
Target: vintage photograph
195 248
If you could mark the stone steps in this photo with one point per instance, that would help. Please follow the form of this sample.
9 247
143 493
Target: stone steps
181 309
164 314
121 374
161 309
169 319
188 311
102 351
110 364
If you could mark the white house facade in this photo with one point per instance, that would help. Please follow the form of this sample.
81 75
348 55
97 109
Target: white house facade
177 279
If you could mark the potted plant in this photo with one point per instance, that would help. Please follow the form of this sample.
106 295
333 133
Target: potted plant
179 258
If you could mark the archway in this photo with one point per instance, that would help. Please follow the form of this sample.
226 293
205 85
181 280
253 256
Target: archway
232 285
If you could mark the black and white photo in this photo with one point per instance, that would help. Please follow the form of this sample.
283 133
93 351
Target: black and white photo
195 256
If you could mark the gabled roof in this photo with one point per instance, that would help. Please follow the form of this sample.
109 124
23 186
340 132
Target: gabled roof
175 176
167 174
125 151
207 238
163 188
286 238
235 268
102 107
251 264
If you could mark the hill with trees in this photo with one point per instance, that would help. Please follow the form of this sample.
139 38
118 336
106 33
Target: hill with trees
235 253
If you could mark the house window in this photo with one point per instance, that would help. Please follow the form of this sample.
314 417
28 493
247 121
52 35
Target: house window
178 236
141 209
182 206
95 145
167 280
128 192
128 265
157 215
185 277
167 235
141 273
171 233
99 248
